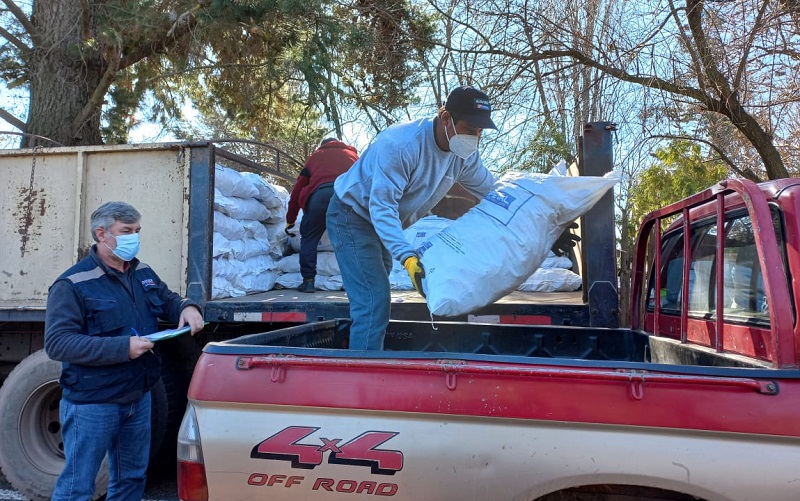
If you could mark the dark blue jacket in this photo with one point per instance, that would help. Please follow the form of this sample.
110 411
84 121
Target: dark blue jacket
92 311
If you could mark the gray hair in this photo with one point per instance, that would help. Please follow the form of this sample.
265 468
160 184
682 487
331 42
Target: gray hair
110 212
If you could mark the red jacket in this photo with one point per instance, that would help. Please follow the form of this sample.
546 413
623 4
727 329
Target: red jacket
323 166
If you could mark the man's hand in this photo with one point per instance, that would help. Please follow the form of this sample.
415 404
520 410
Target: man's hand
416 271
566 241
289 228
137 346
192 317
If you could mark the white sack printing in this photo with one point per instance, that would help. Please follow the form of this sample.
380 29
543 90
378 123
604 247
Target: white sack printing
491 250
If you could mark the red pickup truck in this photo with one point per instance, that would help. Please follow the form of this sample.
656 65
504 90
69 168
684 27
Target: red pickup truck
698 399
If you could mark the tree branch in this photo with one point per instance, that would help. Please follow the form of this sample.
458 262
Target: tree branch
159 45
737 80
21 17
8 117
16 42
95 103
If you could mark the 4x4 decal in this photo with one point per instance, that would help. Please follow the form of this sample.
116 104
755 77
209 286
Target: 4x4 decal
360 451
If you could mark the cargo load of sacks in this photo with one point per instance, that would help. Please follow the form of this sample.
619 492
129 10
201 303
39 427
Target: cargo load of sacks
248 239
496 246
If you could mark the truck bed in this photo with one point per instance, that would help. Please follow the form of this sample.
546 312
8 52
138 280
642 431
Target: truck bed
287 305
525 409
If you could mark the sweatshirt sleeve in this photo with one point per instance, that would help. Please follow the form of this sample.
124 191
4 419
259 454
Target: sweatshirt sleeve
65 337
477 180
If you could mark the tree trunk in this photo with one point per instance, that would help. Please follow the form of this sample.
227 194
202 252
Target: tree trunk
625 265
63 76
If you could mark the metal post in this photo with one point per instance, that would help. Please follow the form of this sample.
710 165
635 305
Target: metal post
598 237
201 222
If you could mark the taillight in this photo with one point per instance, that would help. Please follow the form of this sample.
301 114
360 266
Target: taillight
192 485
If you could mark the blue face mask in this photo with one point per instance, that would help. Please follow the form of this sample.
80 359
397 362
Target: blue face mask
127 246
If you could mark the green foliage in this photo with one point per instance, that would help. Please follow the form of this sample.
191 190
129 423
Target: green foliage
547 147
275 69
265 68
680 170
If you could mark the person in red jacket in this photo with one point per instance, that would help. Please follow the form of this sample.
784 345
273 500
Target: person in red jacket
312 192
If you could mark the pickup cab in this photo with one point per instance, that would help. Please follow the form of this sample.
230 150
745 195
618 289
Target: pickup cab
698 399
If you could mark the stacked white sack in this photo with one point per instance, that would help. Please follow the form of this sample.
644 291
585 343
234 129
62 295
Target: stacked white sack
328 277
248 233
553 275
492 249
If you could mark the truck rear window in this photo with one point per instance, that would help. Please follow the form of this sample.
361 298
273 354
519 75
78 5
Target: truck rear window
744 296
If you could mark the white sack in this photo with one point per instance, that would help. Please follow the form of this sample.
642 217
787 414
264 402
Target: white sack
230 228
553 261
551 280
248 247
424 229
222 288
259 282
255 229
231 268
327 265
268 194
493 248
232 184
241 249
289 264
240 208
421 231
324 244
221 246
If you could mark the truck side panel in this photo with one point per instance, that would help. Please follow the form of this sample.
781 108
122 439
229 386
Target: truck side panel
50 196
614 393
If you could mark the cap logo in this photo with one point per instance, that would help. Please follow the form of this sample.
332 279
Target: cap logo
482 104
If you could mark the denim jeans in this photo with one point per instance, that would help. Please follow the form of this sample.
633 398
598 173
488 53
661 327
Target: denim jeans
365 265
89 432
312 226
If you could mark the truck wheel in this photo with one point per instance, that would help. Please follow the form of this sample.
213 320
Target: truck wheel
31 449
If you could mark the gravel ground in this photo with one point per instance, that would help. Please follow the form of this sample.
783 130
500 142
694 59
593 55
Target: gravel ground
159 488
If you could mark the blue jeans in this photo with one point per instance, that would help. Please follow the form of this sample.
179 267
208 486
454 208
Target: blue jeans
312 226
365 264
89 432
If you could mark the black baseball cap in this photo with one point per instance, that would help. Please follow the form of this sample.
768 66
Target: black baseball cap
472 106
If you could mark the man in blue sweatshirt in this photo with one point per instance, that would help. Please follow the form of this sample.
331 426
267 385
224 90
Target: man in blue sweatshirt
96 312
401 176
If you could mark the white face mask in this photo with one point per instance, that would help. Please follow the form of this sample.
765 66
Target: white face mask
462 145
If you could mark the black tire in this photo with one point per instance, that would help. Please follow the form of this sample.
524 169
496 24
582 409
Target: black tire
31 449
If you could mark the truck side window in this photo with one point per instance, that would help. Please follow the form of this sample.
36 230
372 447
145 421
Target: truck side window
671 275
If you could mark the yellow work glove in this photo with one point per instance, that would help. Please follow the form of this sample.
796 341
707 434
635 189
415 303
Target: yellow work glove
289 229
415 270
